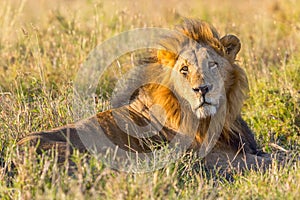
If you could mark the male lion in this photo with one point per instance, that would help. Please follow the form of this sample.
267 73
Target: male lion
193 94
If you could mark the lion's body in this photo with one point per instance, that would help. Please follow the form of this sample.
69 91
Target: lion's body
186 111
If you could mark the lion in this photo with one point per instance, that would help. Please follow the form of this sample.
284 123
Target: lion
194 90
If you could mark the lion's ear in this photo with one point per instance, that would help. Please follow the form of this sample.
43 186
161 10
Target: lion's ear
232 46
166 58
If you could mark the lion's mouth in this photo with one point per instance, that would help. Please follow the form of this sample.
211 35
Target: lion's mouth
205 107
204 102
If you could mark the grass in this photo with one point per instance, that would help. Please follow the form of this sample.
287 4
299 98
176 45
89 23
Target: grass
42 45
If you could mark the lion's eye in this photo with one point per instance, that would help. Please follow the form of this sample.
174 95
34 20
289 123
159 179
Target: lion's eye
213 64
184 70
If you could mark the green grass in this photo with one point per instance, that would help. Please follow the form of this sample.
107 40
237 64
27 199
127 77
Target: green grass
43 44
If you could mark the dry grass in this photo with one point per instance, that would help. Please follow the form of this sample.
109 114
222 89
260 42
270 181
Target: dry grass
42 45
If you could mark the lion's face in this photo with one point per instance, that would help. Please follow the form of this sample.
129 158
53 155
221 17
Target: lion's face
201 73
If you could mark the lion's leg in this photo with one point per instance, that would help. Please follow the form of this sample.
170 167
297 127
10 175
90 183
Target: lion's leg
229 160
63 140
244 137
82 135
97 134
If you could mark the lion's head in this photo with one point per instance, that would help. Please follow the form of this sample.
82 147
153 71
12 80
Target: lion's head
197 70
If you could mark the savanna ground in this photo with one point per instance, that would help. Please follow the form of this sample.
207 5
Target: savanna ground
43 43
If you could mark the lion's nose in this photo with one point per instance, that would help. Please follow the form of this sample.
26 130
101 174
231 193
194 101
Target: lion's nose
203 89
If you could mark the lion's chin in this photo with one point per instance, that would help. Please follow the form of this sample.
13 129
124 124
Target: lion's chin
205 111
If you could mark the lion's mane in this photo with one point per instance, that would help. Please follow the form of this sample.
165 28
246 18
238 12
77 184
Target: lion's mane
235 132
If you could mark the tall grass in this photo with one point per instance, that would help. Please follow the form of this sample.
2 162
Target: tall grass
42 45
